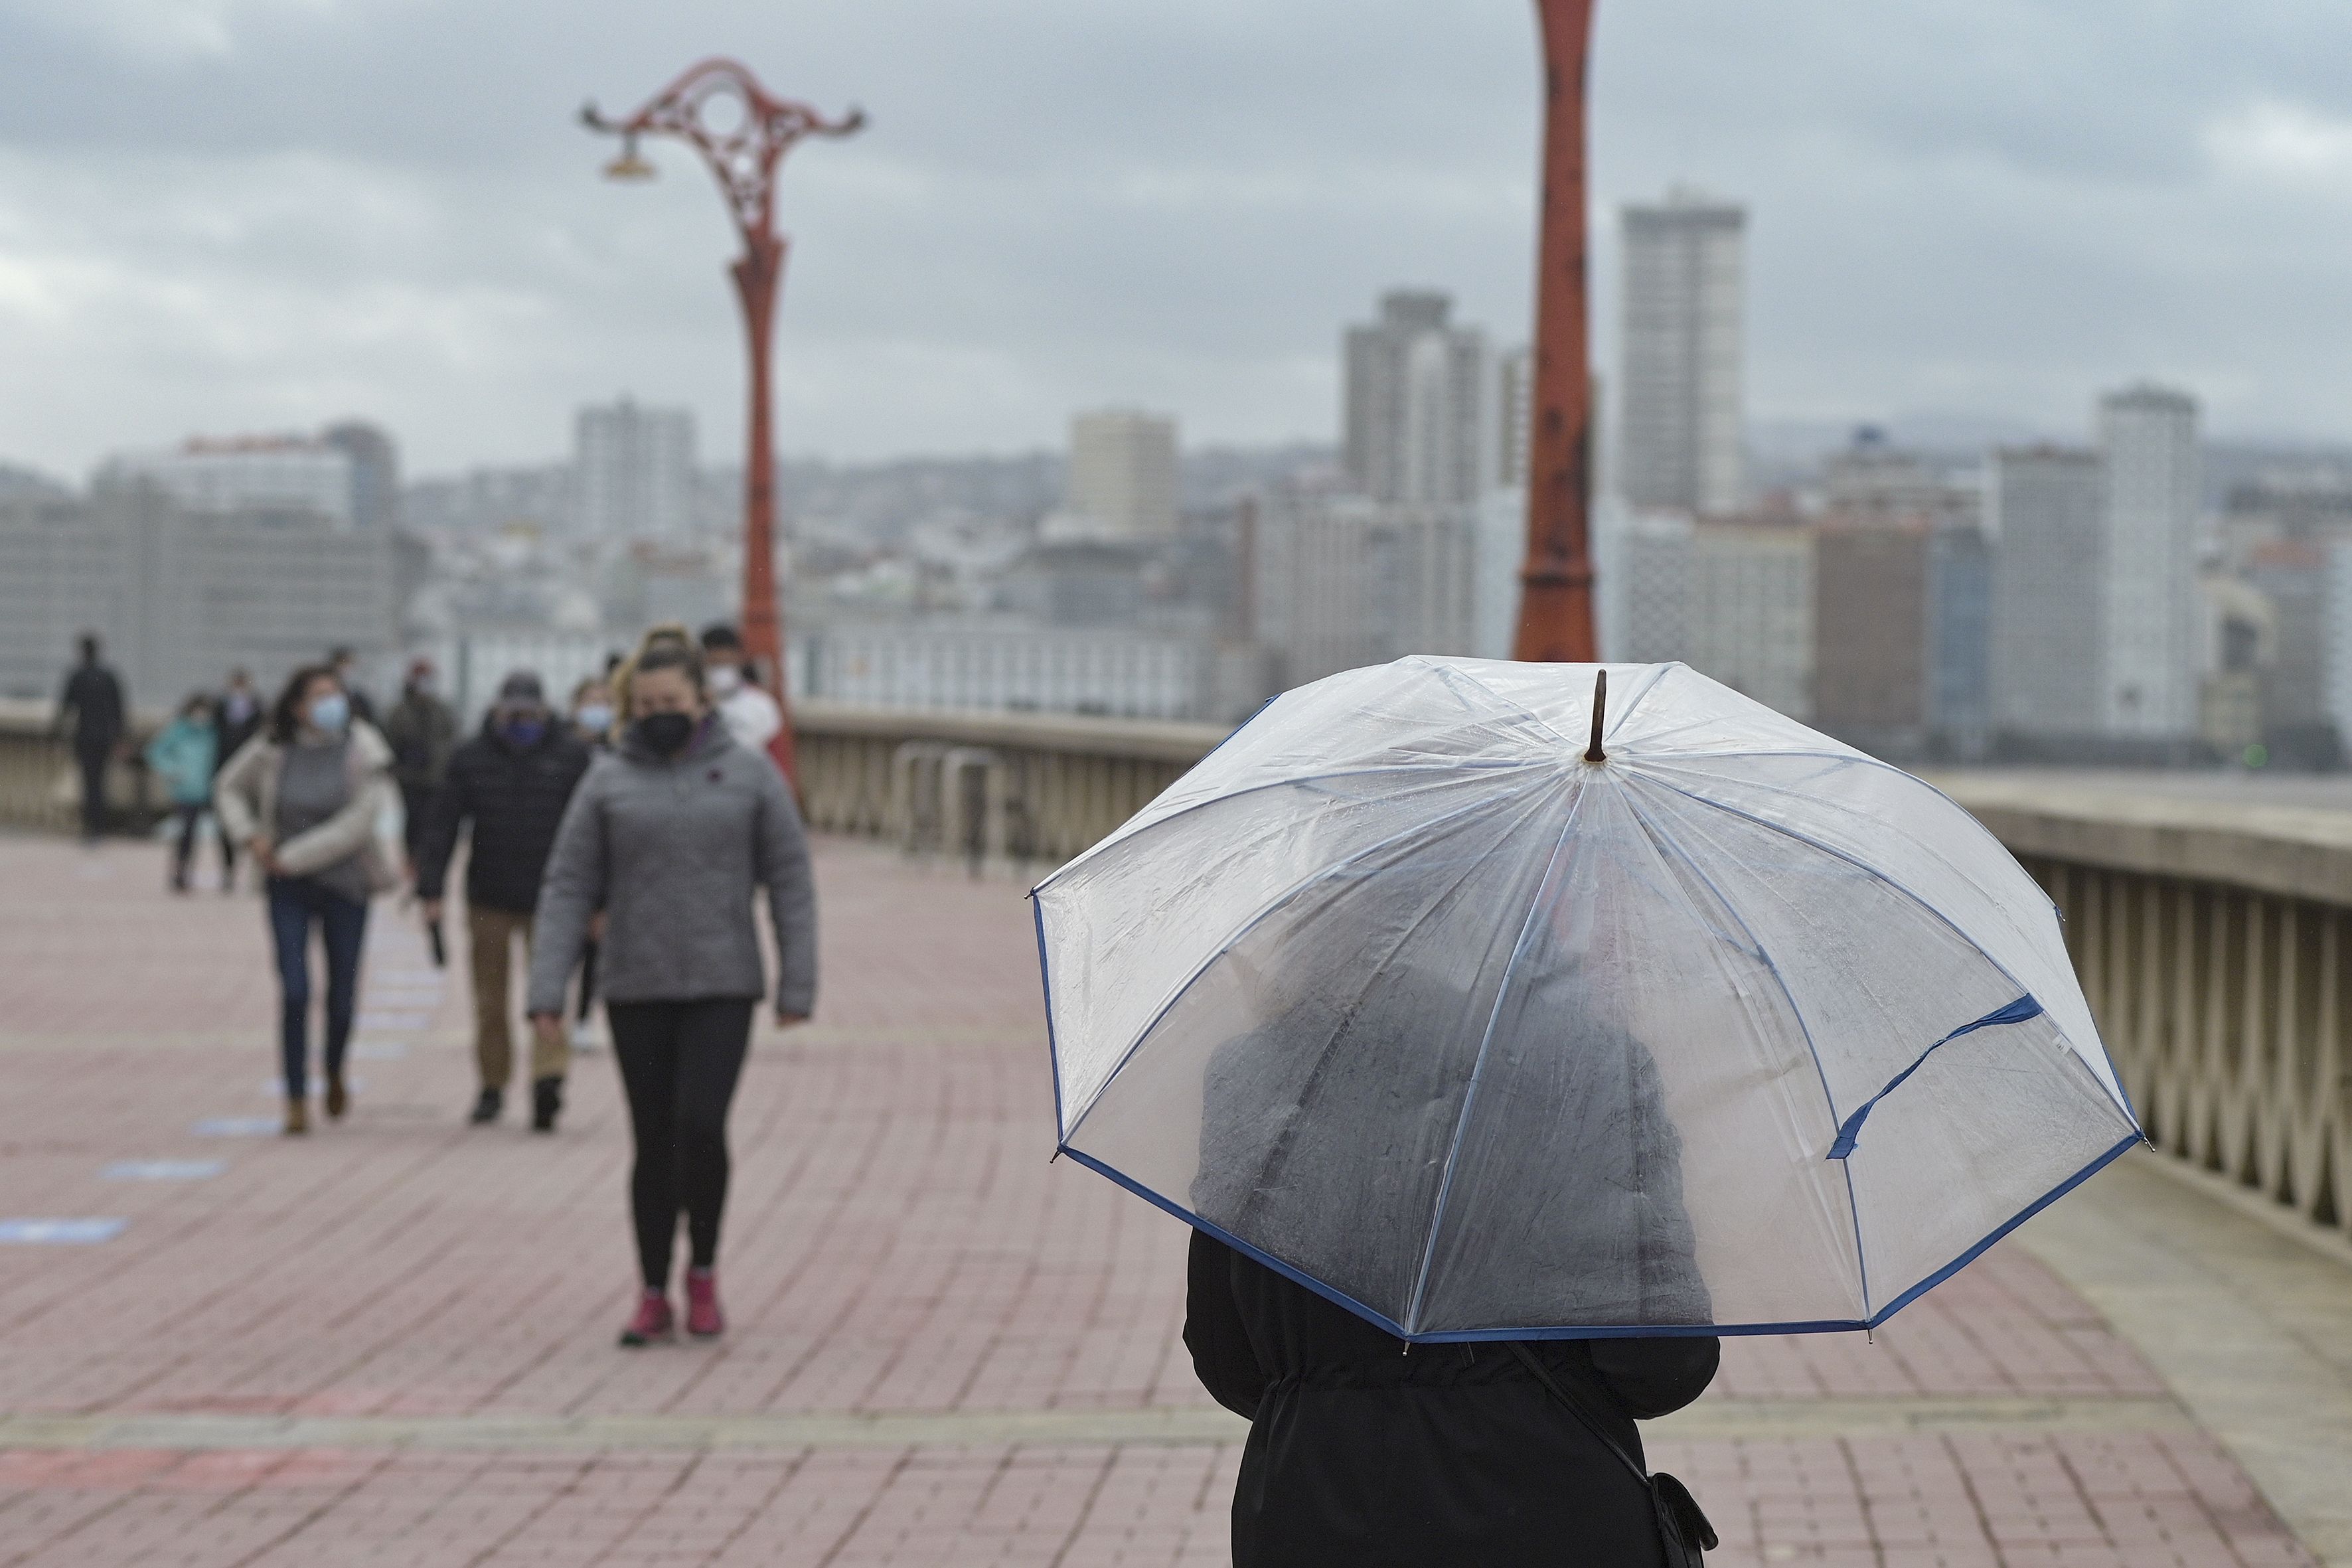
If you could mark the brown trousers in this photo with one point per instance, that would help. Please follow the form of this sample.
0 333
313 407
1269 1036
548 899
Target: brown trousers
492 934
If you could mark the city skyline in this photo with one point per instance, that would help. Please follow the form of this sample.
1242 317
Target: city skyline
1984 213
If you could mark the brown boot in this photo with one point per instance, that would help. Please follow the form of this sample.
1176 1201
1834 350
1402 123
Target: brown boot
297 1117
338 1101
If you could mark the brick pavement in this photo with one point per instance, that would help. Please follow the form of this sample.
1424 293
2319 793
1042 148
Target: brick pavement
392 1342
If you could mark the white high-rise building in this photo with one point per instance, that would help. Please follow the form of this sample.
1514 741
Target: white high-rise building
1123 473
296 478
2043 506
1420 417
1681 412
2153 632
1514 417
633 471
1340 582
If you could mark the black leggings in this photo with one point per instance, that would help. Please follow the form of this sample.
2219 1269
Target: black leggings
680 1061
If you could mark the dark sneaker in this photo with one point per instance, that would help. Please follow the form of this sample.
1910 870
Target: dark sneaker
546 1104
486 1106
653 1322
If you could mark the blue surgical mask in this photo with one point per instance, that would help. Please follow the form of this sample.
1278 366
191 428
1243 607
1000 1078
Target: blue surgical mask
330 712
594 716
525 731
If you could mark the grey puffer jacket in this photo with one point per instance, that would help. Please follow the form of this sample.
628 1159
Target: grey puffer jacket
673 851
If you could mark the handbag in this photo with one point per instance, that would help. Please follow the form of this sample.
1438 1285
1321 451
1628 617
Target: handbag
1683 1528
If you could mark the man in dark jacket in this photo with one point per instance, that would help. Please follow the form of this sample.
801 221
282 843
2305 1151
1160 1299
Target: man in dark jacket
513 782
92 710
236 719
421 731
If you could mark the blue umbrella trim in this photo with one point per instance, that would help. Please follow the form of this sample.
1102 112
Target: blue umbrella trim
1606 1331
2016 1012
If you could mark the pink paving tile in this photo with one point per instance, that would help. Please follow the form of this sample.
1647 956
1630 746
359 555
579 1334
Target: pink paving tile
897 1242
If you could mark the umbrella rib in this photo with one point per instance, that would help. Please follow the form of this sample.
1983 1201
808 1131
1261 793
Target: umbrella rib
1478 1063
1858 863
1227 943
1690 763
1662 841
1521 708
1870 870
1122 836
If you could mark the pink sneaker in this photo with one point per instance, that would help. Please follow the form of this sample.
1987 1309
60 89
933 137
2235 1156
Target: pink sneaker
652 1323
703 1319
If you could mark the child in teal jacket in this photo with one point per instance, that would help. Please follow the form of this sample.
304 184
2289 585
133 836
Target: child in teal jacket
183 755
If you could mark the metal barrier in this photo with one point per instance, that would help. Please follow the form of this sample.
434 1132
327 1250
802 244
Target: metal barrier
1015 792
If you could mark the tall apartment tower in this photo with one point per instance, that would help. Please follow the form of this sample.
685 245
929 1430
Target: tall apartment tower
375 471
1123 473
1514 417
2154 628
1420 414
633 471
1681 413
2045 509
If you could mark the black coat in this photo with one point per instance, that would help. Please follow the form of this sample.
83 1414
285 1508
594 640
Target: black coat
515 797
1367 1453
94 695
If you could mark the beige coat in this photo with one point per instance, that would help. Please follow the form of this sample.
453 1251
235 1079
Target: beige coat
246 797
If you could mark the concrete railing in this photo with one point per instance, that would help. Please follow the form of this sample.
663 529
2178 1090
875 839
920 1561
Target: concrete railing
2214 939
38 786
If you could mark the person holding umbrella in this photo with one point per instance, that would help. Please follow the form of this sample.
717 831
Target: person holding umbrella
671 836
1505 1045
510 782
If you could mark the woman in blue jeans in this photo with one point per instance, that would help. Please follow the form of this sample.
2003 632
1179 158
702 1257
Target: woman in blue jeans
303 797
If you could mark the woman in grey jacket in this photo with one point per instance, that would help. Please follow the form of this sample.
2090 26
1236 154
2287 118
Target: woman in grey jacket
303 798
670 836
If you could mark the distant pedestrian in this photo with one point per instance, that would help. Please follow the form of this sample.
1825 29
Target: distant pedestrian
593 720
185 755
236 719
752 716
345 664
511 783
303 798
671 836
94 713
422 732
591 713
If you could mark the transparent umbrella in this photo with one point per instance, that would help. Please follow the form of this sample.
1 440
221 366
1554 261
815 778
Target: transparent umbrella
1490 1018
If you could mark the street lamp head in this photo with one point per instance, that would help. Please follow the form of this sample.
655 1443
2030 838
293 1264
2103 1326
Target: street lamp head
629 166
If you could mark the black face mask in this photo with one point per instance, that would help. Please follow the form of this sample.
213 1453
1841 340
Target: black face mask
663 734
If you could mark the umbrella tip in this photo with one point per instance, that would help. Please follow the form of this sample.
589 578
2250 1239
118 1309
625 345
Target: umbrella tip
1594 753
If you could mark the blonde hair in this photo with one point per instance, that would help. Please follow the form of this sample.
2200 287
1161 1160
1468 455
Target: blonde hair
668 634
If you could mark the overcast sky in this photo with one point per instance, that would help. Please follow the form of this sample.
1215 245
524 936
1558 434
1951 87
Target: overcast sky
229 215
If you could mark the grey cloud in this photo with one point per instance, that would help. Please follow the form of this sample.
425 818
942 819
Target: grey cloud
284 209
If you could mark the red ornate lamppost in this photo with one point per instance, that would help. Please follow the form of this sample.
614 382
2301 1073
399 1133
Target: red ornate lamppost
742 133
1556 582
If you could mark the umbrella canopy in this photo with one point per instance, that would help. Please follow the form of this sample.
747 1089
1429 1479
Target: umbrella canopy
1733 1029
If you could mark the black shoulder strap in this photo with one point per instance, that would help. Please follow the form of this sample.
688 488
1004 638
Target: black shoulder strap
1576 1407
